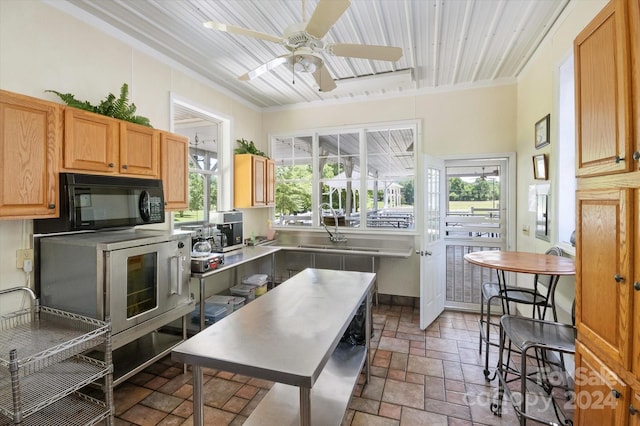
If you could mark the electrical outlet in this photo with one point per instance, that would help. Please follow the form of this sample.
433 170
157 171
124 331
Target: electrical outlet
22 255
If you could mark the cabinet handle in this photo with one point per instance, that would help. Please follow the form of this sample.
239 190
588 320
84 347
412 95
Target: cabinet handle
111 165
619 159
636 286
124 166
618 278
632 410
51 206
616 394
636 155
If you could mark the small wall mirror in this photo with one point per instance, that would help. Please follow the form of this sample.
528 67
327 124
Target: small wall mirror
542 217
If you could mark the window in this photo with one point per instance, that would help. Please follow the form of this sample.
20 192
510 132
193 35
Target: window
566 182
324 172
203 131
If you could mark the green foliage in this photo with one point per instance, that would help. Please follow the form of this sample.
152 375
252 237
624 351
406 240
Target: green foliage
248 147
111 106
293 192
480 190
196 191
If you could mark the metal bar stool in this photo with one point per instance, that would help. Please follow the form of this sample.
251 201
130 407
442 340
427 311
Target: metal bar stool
541 336
511 294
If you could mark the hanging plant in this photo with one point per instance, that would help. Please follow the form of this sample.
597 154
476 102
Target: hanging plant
248 147
111 106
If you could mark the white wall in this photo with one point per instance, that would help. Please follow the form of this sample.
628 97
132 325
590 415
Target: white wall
44 48
470 121
537 96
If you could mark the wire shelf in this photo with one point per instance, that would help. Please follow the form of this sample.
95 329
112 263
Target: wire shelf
49 385
42 367
44 336
76 409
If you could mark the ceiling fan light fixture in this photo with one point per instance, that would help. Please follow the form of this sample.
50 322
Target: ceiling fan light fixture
308 63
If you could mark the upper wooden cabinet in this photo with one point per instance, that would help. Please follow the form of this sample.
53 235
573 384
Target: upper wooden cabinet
254 181
30 140
139 150
96 143
175 170
271 183
603 94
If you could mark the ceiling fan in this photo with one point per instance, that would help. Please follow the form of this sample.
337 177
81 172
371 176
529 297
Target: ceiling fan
304 42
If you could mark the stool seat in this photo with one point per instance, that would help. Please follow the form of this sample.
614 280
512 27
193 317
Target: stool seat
527 332
537 336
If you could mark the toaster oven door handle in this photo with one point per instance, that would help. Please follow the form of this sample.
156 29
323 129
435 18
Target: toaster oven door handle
176 275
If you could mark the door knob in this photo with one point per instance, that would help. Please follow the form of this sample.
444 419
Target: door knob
618 278
618 159
616 393
632 410
636 286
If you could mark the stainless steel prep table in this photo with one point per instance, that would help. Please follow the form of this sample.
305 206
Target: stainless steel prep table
290 335
233 259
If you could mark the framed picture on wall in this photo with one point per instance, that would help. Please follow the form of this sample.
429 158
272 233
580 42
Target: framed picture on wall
540 167
542 132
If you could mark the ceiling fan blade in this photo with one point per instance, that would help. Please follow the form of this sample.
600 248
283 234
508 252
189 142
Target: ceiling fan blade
366 51
324 79
325 15
243 31
268 66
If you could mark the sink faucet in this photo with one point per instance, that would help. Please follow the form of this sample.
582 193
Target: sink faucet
336 237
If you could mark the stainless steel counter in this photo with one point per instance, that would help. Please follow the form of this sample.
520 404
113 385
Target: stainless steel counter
288 336
233 259
236 258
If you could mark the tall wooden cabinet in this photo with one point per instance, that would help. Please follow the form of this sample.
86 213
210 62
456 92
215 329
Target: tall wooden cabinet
608 217
254 181
30 141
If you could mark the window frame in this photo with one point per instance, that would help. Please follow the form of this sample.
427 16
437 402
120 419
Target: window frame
362 193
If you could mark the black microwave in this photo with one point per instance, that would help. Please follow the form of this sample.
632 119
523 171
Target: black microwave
93 202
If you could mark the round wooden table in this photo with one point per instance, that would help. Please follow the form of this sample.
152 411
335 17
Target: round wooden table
521 261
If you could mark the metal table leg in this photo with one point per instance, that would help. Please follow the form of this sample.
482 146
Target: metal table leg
201 304
305 406
198 403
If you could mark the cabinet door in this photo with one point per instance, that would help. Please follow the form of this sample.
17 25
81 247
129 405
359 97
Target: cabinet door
175 170
271 183
90 141
139 150
601 398
30 139
603 94
259 181
603 268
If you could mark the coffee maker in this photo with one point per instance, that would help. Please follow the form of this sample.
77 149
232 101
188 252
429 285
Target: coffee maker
229 223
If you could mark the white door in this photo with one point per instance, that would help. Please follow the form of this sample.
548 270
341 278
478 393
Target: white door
432 256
